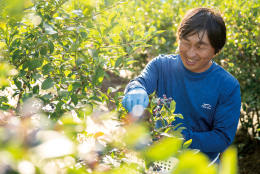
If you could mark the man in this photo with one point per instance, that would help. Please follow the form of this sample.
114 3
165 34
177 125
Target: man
206 95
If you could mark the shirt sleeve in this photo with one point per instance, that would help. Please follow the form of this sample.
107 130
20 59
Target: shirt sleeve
147 80
225 124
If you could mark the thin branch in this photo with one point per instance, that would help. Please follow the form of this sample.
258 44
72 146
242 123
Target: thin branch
18 106
77 91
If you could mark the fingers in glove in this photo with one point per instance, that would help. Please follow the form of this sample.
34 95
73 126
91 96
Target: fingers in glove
124 101
134 103
129 104
146 102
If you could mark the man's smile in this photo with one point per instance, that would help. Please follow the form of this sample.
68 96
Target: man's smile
190 61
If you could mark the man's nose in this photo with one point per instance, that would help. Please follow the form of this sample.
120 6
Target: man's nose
191 52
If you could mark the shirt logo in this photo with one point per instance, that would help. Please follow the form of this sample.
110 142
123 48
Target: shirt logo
206 106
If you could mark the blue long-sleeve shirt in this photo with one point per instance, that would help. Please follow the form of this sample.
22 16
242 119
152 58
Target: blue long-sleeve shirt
210 101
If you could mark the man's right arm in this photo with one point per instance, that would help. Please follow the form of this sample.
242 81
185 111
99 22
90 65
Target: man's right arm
147 80
138 89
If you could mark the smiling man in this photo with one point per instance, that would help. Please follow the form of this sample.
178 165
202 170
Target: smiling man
206 95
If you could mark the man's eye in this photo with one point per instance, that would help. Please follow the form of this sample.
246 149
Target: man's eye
186 44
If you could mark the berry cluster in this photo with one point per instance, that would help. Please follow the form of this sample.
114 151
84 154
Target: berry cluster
156 167
159 103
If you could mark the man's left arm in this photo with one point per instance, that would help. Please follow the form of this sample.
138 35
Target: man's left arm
225 123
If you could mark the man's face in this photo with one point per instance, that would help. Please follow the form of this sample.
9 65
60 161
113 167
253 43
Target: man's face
196 55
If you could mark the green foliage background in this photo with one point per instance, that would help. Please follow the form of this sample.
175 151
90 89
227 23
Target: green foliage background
59 52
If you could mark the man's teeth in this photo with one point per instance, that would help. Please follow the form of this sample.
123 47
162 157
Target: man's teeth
191 60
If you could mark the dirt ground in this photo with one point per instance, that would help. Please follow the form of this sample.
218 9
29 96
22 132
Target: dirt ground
248 147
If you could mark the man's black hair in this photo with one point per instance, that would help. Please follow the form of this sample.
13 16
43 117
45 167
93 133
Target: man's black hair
204 19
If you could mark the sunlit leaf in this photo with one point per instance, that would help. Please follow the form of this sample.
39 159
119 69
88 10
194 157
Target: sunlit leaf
229 161
48 83
111 89
163 150
172 106
187 144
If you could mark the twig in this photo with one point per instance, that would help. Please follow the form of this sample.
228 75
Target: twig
77 91
20 96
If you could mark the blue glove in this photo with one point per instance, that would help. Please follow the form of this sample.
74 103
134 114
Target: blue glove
136 96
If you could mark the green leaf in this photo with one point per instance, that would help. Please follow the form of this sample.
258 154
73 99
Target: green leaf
95 98
64 95
229 161
119 60
98 77
74 47
153 101
104 97
47 96
112 16
50 31
119 95
36 76
176 126
70 88
167 130
173 106
93 53
74 99
152 29
47 69
54 117
178 115
83 35
35 64
48 83
17 83
166 148
163 113
70 28
26 96
76 85
79 61
43 50
111 89
176 134
109 2
36 89
116 71
51 46
180 129
26 64
107 76
59 107
22 73
80 114
187 144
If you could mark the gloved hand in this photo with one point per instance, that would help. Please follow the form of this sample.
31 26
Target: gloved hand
137 96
